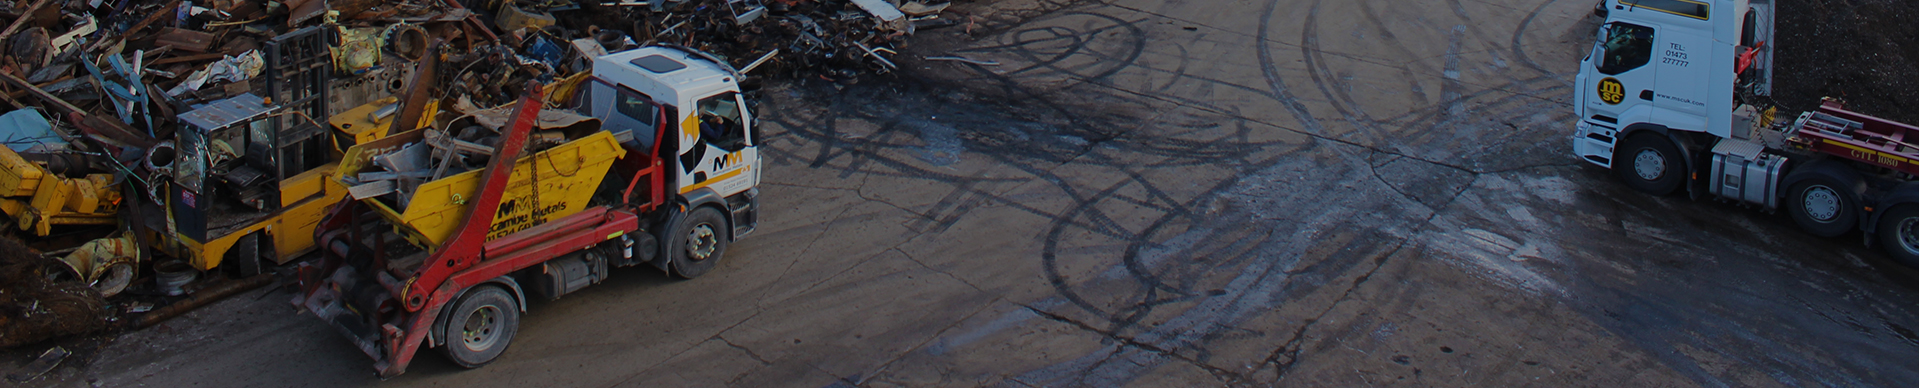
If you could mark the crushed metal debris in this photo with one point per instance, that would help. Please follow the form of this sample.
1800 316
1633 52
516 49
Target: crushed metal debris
169 131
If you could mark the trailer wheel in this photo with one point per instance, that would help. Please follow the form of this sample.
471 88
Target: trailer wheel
1822 207
481 326
1648 162
1899 234
698 243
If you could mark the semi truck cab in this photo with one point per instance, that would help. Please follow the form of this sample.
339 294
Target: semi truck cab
1668 69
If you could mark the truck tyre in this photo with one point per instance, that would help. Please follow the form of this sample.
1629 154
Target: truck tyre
243 258
482 324
1648 162
1823 207
1899 234
698 243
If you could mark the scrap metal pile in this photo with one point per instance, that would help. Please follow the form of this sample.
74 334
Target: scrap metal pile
839 39
152 134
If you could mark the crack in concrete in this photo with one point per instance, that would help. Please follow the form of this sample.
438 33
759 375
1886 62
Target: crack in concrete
1291 348
816 239
1127 341
1294 345
929 339
1533 166
756 313
1389 184
749 352
939 271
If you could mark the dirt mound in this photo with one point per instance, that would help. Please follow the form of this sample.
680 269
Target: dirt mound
34 309
1865 52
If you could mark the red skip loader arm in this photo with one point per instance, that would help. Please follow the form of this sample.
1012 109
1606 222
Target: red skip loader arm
467 259
463 249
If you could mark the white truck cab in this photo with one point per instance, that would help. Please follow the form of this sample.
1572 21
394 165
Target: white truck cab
698 96
1667 68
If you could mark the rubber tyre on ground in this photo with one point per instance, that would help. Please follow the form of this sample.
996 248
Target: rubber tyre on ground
1649 162
1899 234
698 243
1823 207
481 326
243 259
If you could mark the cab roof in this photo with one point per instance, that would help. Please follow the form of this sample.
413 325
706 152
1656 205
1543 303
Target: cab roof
670 75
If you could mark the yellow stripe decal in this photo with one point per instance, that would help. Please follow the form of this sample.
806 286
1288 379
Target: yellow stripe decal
1869 151
723 176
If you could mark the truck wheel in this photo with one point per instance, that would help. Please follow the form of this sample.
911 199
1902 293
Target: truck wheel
1899 234
243 258
1650 163
1822 207
481 326
698 243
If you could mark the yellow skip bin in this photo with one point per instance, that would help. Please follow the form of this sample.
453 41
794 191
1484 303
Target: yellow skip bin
547 185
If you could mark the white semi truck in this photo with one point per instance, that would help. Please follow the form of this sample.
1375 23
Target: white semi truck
1673 98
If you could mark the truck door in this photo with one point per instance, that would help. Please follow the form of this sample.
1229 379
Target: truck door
1623 78
1684 63
722 156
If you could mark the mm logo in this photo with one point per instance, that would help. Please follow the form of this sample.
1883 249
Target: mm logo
1611 91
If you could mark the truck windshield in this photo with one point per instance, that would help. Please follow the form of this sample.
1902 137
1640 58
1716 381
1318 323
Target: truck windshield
1627 46
1688 8
623 111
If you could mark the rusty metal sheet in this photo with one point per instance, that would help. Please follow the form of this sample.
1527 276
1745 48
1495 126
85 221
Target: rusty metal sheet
184 40
305 11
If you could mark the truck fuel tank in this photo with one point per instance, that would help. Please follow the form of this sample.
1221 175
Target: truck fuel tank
1743 171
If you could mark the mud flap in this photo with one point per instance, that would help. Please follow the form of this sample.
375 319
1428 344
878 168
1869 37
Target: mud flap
674 217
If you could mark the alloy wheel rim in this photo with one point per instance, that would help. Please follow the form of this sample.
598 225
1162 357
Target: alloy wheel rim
1649 164
1821 203
1909 235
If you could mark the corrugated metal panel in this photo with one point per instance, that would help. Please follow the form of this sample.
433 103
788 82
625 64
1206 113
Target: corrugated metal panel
226 112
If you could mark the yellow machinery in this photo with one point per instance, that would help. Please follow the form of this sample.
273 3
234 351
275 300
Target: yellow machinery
249 189
36 198
371 121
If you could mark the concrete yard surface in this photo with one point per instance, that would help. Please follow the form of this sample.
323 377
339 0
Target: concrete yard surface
1177 193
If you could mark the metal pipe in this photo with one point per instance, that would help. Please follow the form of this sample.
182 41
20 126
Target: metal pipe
201 298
